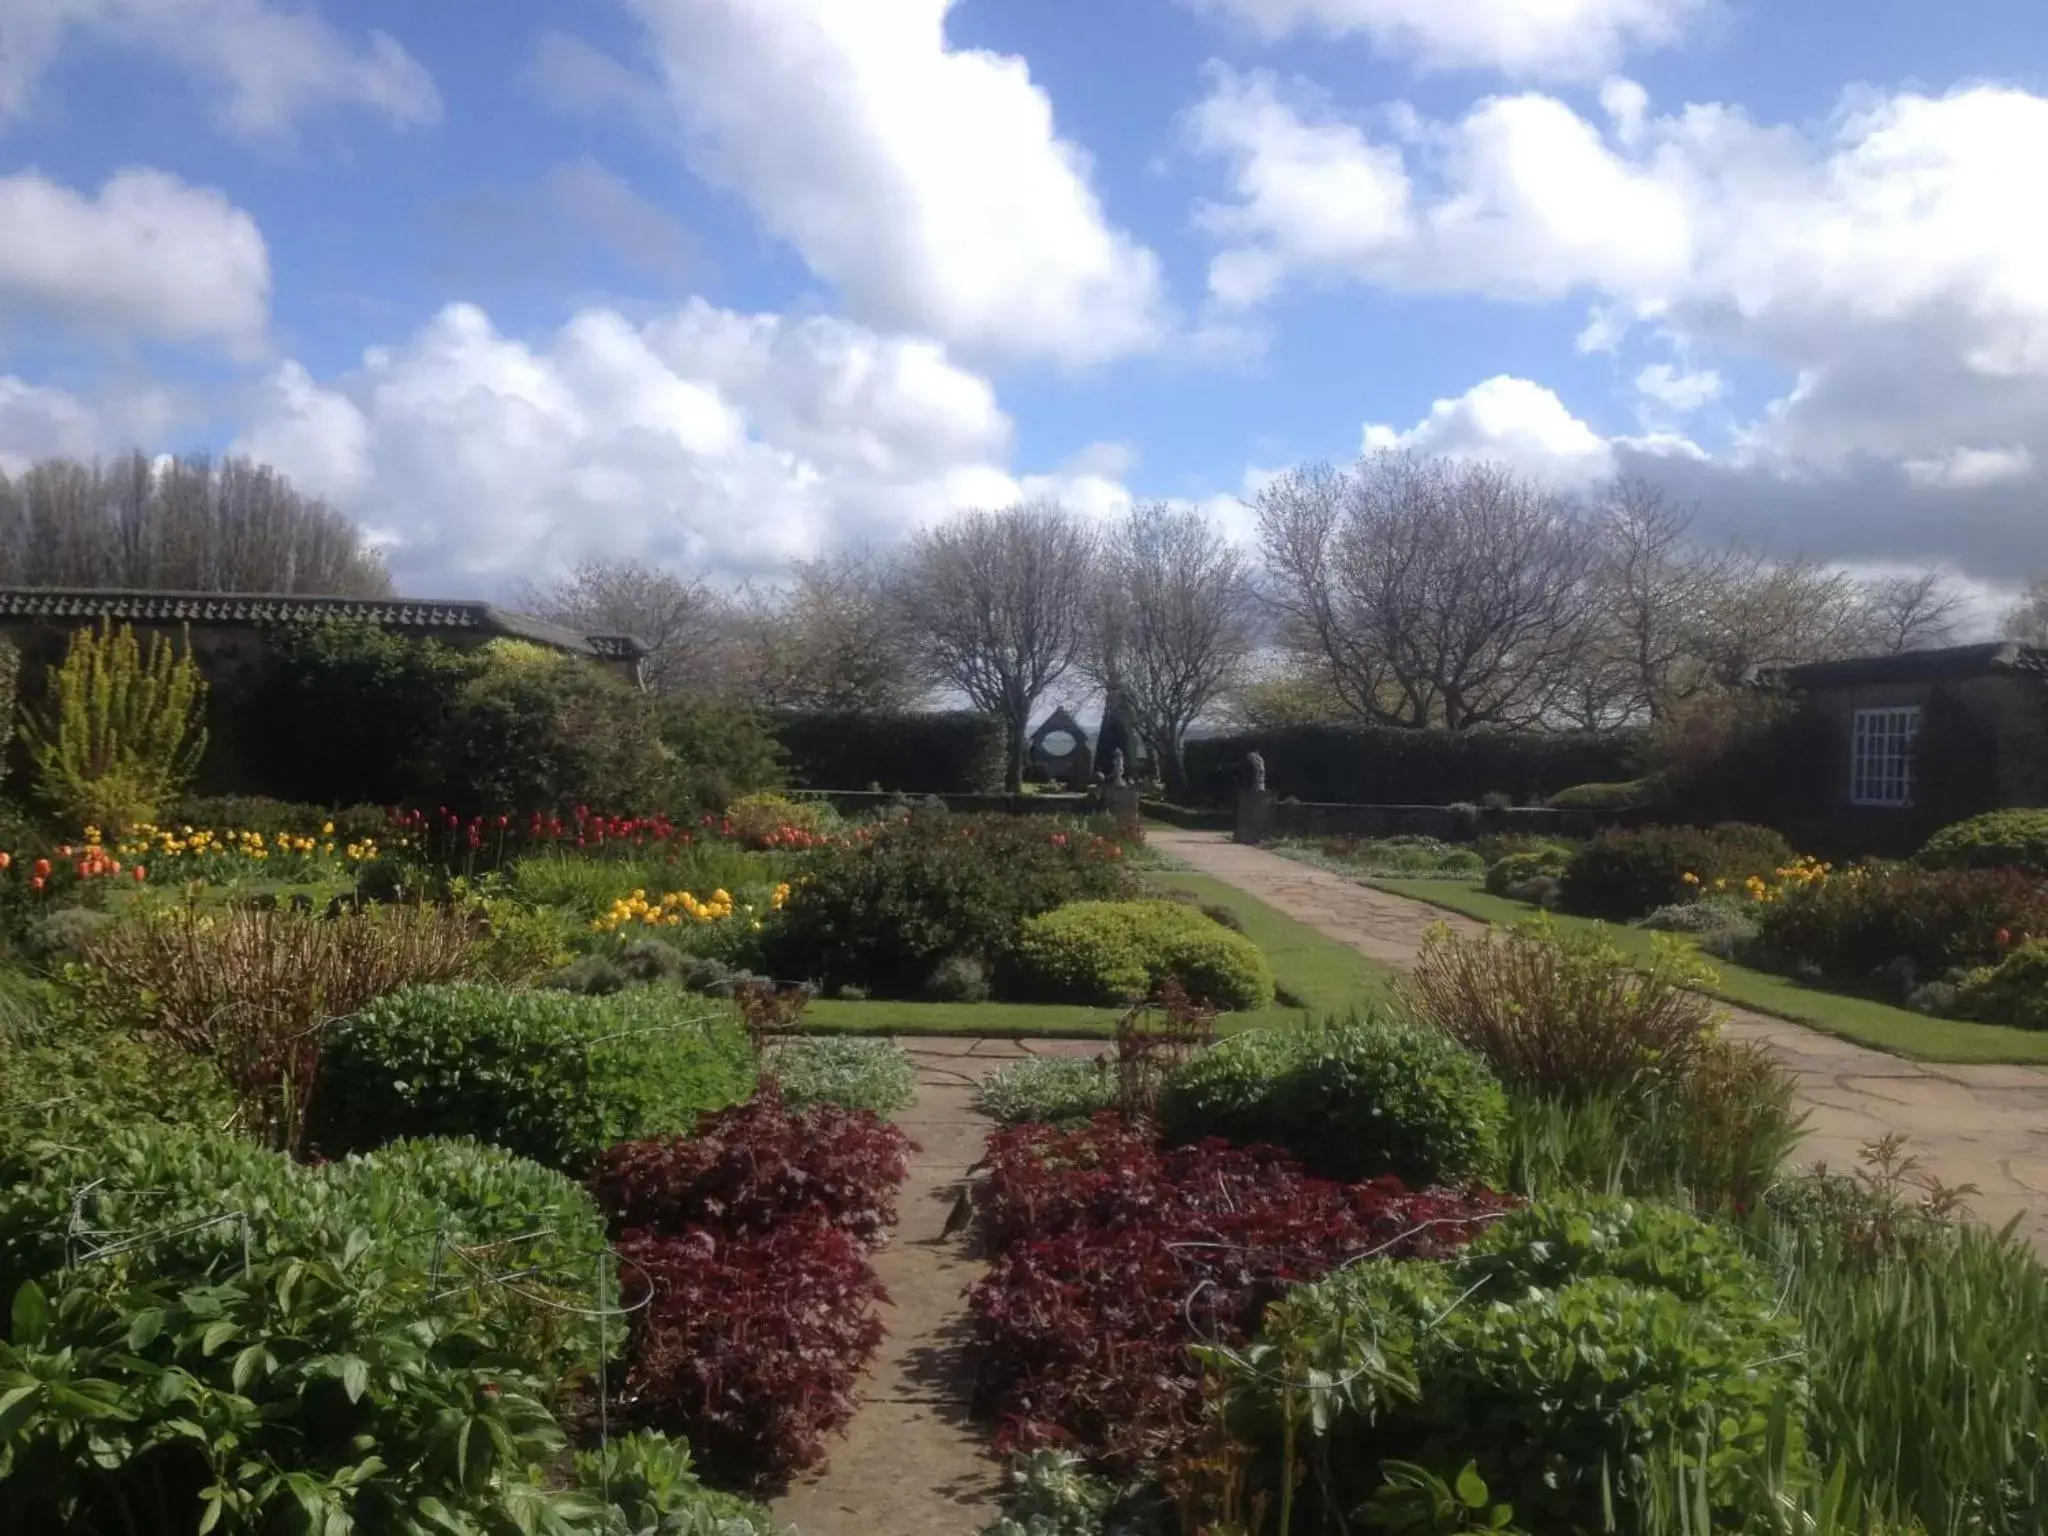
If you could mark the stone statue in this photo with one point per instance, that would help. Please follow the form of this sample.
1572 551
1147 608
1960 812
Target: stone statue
1257 765
1116 767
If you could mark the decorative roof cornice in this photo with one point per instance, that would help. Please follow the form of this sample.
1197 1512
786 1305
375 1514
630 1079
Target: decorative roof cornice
413 615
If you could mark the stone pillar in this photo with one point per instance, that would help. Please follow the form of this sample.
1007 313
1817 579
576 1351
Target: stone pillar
1121 801
1255 815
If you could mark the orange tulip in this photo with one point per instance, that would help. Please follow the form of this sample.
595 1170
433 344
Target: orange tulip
140 874
42 870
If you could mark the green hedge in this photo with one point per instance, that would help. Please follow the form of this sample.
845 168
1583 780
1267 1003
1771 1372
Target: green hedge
1622 876
927 753
2015 839
1121 951
1352 1100
549 1075
1381 765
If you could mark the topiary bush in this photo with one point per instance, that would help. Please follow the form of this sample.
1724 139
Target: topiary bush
1517 869
550 1075
1622 875
2014 991
882 912
1352 1100
2016 839
1122 951
1585 1354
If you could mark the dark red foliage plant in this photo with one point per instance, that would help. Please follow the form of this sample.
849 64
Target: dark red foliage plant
744 1253
752 1167
751 1349
1112 1257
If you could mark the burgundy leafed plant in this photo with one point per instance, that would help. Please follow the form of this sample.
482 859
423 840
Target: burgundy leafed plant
1113 1257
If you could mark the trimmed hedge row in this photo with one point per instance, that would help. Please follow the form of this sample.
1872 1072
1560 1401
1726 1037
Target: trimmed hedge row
924 753
1381 765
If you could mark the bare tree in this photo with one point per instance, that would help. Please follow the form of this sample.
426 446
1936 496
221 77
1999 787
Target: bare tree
995 605
829 640
1910 613
2027 620
1433 592
1173 625
685 624
179 524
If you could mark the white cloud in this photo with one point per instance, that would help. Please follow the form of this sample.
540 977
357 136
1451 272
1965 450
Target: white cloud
265 64
37 422
929 184
1511 421
706 437
1966 469
147 256
1578 39
1678 389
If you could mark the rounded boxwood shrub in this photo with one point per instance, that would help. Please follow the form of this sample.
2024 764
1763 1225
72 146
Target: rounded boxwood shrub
1352 1099
550 1075
1578 1351
2016 839
1118 951
2015 991
1516 869
1622 875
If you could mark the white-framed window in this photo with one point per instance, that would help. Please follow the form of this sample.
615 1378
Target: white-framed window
1881 756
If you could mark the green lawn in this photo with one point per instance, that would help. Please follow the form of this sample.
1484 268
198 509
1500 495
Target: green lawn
1896 1030
1316 976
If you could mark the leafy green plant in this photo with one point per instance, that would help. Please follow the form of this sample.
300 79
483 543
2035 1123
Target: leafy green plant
1416 1501
1884 917
717 750
119 733
2012 839
853 1073
1403 856
1051 1089
10 678
548 1075
652 1490
2014 991
1351 1099
1573 1347
1121 951
1515 869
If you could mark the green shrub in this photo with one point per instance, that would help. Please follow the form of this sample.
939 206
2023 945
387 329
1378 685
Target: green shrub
548 1075
876 1075
1893 917
2014 991
1049 1089
718 751
1120 951
120 732
759 820
1515 869
1714 913
881 913
959 979
1351 1099
1602 797
307 1343
10 680
58 1069
259 813
1579 1353
2016 839
648 1480
1621 876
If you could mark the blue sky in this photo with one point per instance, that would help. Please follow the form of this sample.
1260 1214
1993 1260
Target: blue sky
722 282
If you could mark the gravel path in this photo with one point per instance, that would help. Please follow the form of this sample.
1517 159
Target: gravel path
1985 1125
911 1463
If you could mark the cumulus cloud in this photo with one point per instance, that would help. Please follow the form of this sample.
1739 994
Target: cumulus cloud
38 422
1971 468
706 437
264 65
929 184
1512 421
1677 389
147 256
1577 39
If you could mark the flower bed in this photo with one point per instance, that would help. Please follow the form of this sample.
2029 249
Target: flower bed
1113 1257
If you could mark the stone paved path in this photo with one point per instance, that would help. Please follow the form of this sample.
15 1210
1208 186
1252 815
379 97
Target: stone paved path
1985 1125
911 1463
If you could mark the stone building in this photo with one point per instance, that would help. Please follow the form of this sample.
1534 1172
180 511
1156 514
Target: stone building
1924 737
